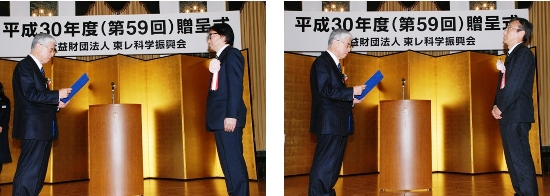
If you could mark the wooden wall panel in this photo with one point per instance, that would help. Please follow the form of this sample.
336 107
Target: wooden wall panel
131 88
461 86
6 74
249 152
200 153
453 113
170 148
535 132
364 141
486 141
164 100
102 72
422 85
394 67
72 143
299 142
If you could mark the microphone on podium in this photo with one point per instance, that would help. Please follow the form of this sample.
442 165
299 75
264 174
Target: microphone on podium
113 86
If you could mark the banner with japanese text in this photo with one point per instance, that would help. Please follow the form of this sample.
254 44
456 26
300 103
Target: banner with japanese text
117 34
400 31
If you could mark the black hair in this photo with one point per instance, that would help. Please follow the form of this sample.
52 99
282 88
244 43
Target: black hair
525 25
223 29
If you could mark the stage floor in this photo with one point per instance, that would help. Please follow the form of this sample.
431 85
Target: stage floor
153 187
493 184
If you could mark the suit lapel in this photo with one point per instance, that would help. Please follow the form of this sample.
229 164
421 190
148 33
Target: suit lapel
507 61
224 52
42 78
334 67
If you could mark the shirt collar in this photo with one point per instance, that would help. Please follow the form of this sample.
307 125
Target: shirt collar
219 52
36 61
336 61
512 48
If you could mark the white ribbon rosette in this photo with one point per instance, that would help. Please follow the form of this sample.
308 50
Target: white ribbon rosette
214 68
500 66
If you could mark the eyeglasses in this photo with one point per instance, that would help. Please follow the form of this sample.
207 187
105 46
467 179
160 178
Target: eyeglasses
348 44
510 28
210 35
52 50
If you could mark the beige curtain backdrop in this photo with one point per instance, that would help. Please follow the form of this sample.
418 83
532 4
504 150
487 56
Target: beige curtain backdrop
419 6
538 15
253 21
253 31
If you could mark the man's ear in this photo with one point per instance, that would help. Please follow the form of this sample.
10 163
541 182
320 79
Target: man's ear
521 34
223 38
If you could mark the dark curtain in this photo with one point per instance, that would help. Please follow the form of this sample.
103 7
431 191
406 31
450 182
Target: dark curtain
443 5
293 6
373 5
117 6
523 4
151 6
408 4
4 8
82 7
234 5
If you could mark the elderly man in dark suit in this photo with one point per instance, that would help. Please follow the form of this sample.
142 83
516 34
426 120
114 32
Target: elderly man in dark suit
34 121
513 106
225 109
331 116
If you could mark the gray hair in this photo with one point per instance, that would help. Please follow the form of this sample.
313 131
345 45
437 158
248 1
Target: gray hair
42 38
338 34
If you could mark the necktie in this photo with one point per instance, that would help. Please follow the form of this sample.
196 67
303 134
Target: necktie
339 68
42 71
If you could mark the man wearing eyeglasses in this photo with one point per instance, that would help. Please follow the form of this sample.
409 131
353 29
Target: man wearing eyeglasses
513 106
225 109
35 122
331 116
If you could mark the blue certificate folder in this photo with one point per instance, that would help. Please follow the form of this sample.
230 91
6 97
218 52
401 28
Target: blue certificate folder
373 81
77 86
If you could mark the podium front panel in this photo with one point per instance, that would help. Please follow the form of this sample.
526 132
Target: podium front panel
116 164
405 145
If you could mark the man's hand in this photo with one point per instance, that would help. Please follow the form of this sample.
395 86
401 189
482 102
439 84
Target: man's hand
355 101
496 112
64 92
357 90
0 129
62 105
229 124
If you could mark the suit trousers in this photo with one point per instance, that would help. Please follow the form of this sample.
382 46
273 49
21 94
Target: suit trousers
31 168
327 162
230 153
515 141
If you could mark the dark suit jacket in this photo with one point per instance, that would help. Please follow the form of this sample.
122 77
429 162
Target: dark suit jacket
5 110
35 105
515 100
227 101
331 100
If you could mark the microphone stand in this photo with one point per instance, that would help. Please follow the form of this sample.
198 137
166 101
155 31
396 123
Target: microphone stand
113 86
403 88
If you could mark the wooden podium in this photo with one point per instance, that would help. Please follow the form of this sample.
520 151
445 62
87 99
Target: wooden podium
116 157
405 145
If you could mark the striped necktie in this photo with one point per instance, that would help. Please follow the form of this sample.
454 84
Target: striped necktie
42 71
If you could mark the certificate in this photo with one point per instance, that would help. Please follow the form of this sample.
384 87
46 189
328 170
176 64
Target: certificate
76 87
373 81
